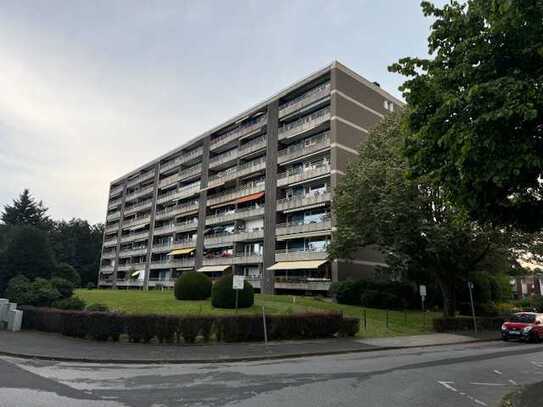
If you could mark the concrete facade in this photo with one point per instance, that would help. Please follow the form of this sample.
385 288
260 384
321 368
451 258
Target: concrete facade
248 195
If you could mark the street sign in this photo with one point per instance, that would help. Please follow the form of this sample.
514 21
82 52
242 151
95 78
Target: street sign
238 282
422 290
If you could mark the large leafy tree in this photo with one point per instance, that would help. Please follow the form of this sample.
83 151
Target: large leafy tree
476 108
410 220
26 211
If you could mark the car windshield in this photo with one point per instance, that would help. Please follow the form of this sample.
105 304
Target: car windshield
526 318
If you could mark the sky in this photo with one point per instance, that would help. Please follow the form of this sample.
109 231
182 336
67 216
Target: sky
90 90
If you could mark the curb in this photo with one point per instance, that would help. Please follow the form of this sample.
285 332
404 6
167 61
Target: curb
233 360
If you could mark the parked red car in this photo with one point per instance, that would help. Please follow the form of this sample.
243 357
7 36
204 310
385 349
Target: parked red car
525 326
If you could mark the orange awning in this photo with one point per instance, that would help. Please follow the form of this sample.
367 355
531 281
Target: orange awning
249 198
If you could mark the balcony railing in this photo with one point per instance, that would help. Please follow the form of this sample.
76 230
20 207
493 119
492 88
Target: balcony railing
181 159
112 228
223 158
194 170
295 255
241 171
137 221
113 216
178 244
138 207
249 235
138 193
106 268
305 99
252 146
300 149
292 228
288 177
116 190
115 203
230 196
141 178
176 210
228 238
172 263
110 242
131 266
133 252
238 214
135 236
303 200
238 132
108 254
177 227
179 193
304 124
219 260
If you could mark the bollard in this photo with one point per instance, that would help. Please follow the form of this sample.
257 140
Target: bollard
4 307
15 320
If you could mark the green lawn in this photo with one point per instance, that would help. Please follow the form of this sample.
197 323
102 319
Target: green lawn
157 302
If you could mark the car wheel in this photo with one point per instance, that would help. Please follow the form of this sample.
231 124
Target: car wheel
533 338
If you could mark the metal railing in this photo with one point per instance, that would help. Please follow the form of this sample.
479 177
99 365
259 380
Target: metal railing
305 99
240 171
172 263
245 190
290 177
114 203
253 145
178 176
223 158
177 209
179 193
132 251
294 255
300 149
137 221
238 132
178 244
114 215
298 201
134 236
177 227
181 159
138 207
138 193
110 242
141 178
305 123
116 190
238 214
291 228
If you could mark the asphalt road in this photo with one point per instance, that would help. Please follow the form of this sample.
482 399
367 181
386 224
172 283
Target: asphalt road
457 375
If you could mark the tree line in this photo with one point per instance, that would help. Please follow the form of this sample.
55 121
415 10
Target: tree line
35 246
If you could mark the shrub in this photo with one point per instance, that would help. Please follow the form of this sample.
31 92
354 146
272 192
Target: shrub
349 326
67 272
42 293
224 296
91 285
18 290
97 307
192 286
72 303
74 323
41 319
64 287
141 327
242 328
465 324
104 325
346 292
167 328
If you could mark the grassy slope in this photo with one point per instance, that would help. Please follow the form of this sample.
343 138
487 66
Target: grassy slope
132 301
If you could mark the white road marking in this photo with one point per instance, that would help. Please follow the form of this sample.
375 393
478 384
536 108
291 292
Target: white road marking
537 364
487 384
498 372
513 382
448 386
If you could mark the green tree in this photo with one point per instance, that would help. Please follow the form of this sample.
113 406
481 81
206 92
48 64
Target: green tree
28 253
26 211
476 108
410 220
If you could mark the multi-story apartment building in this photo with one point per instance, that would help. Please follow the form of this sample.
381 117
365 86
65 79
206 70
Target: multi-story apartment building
252 195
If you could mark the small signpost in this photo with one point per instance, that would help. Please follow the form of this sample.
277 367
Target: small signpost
470 287
422 292
237 284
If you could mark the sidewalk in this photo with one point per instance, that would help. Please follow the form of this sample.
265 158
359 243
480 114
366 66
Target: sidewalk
40 345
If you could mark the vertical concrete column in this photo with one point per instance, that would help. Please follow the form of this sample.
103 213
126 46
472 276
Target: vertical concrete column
334 265
118 247
203 205
270 206
151 229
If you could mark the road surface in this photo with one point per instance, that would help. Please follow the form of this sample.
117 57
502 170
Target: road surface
455 375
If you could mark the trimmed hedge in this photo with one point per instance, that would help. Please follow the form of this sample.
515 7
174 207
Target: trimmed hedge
102 326
192 286
466 324
224 296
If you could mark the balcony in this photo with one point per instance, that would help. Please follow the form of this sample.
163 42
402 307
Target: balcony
304 124
131 266
240 171
179 193
302 283
252 146
292 228
113 216
116 190
140 251
176 227
230 196
114 204
238 132
248 258
178 244
106 269
223 158
171 263
303 200
301 150
249 235
191 155
176 210
135 236
141 192
194 170
141 178
291 177
218 261
110 242
296 255
108 254
238 214
112 228
219 239
137 221
138 207
308 98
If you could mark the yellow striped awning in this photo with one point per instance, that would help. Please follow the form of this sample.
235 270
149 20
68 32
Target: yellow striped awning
210 269
298 265
137 273
181 251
